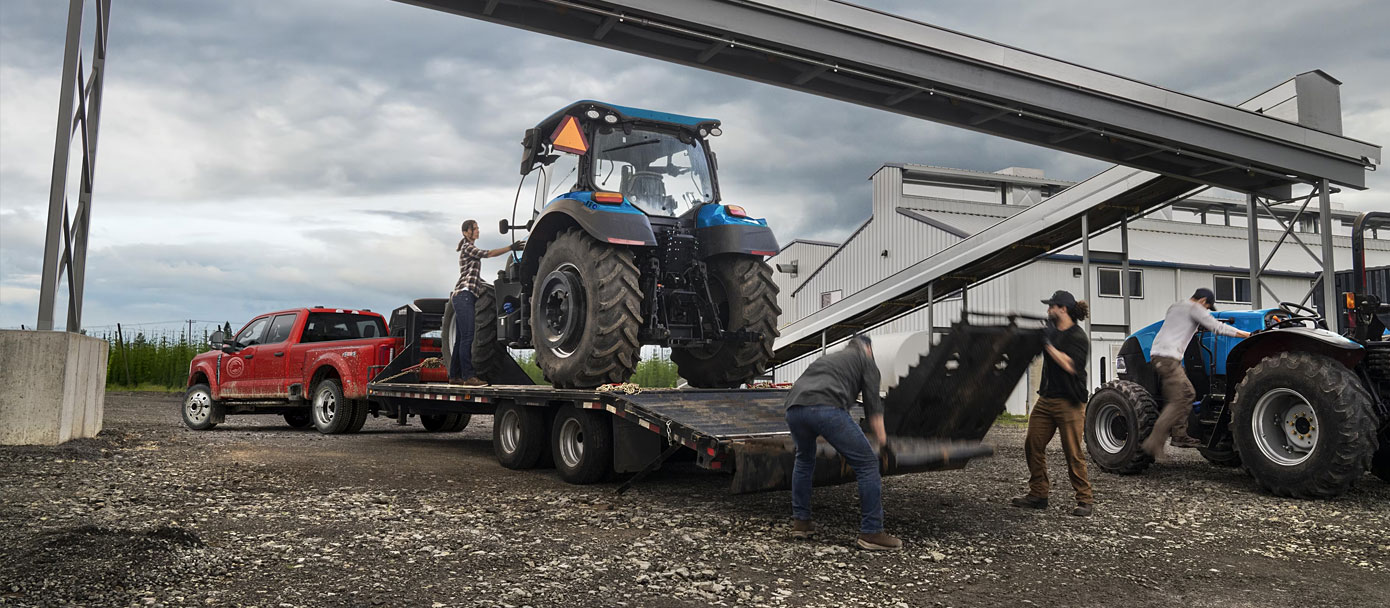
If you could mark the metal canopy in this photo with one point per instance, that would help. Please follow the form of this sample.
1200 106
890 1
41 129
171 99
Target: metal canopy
878 60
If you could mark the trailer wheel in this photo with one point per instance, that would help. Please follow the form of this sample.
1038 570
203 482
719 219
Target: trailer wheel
746 298
519 435
486 363
199 411
333 414
582 443
444 423
586 312
1303 425
299 420
1118 418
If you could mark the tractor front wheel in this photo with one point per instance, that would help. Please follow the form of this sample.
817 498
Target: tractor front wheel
745 296
1303 425
586 312
1118 418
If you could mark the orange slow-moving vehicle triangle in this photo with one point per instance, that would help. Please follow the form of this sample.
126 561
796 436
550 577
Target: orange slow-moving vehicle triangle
569 137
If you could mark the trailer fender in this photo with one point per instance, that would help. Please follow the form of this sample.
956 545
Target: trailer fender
619 224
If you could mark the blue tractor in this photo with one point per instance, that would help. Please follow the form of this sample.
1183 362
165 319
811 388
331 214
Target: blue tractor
630 244
1305 410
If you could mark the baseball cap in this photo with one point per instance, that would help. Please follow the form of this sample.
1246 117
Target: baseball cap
1061 298
1203 292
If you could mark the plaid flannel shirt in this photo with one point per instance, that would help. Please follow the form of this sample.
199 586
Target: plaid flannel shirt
470 267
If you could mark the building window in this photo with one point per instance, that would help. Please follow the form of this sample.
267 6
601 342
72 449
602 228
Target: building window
830 297
1108 281
1232 290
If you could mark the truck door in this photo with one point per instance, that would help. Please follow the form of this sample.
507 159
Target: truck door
269 365
237 375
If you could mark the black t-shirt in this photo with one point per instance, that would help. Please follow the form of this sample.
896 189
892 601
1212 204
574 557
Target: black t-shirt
1056 382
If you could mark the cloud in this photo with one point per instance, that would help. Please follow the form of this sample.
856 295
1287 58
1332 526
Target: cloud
264 154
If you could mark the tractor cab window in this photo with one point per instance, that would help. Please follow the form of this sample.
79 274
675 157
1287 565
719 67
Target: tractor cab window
655 171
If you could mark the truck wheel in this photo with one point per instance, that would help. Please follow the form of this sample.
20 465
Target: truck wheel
1224 455
1380 464
582 444
1118 419
199 411
1303 425
299 420
444 423
585 313
333 415
746 298
519 435
486 363
360 409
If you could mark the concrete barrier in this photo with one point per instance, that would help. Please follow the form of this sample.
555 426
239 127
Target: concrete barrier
52 386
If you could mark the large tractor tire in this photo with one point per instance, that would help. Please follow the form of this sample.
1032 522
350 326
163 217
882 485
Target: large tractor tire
446 334
586 312
1303 425
1118 418
746 298
1380 464
582 444
486 362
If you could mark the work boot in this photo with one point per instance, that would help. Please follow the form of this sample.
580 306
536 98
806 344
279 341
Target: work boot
474 381
879 541
1185 442
1082 510
803 528
1154 446
1029 502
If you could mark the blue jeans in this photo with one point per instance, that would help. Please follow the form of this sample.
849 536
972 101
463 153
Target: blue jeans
807 422
461 360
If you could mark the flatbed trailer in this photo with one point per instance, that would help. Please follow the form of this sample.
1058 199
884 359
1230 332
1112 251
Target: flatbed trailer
936 418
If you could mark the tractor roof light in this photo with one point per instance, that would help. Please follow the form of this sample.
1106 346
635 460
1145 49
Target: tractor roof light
716 131
592 114
611 119
704 132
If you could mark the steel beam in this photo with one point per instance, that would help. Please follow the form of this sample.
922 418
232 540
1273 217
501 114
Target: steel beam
1329 264
876 59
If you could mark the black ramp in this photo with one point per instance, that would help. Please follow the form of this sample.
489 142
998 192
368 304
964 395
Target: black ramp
719 413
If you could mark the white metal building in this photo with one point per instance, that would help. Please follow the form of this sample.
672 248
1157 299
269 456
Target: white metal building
920 210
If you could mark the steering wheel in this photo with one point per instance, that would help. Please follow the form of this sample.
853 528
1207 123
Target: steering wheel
1298 320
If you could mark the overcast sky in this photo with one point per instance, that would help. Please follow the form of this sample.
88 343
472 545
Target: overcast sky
264 154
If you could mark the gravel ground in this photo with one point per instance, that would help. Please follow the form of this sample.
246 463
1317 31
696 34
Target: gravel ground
256 514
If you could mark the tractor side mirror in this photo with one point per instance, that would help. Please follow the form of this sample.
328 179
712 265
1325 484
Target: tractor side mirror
506 226
530 144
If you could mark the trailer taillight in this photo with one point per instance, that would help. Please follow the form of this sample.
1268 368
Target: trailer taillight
1350 300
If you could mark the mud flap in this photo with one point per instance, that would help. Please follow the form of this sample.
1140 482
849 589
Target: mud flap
764 465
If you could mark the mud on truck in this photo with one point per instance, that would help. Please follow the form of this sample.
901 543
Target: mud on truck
1304 409
630 244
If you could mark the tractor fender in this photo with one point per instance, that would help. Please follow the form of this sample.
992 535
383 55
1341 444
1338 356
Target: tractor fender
1250 351
736 238
618 224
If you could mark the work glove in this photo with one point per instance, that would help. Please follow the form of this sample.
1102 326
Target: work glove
518 245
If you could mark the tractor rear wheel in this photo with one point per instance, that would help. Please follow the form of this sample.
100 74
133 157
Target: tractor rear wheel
1118 418
746 298
1303 425
586 312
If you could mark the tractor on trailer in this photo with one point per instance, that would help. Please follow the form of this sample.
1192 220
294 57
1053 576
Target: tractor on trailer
630 245
1303 409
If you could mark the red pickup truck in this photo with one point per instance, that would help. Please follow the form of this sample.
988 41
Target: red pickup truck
311 365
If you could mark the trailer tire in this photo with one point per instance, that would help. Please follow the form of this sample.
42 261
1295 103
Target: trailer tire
299 420
199 411
519 435
1119 416
444 423
582 444
1303 425
746 297
586 312
333 414
486 362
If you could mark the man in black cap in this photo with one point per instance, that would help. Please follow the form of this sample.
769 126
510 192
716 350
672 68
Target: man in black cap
1061 405
818 406
1181 321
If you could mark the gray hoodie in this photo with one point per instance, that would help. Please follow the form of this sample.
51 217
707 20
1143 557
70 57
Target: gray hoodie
836 378
1179 324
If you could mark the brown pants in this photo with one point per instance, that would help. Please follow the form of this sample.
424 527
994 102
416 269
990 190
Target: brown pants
1179 397
1051 416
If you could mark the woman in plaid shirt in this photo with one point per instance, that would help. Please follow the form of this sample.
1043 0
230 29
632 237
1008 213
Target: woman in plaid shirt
465 294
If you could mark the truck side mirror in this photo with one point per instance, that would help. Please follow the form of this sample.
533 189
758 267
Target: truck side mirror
216 339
